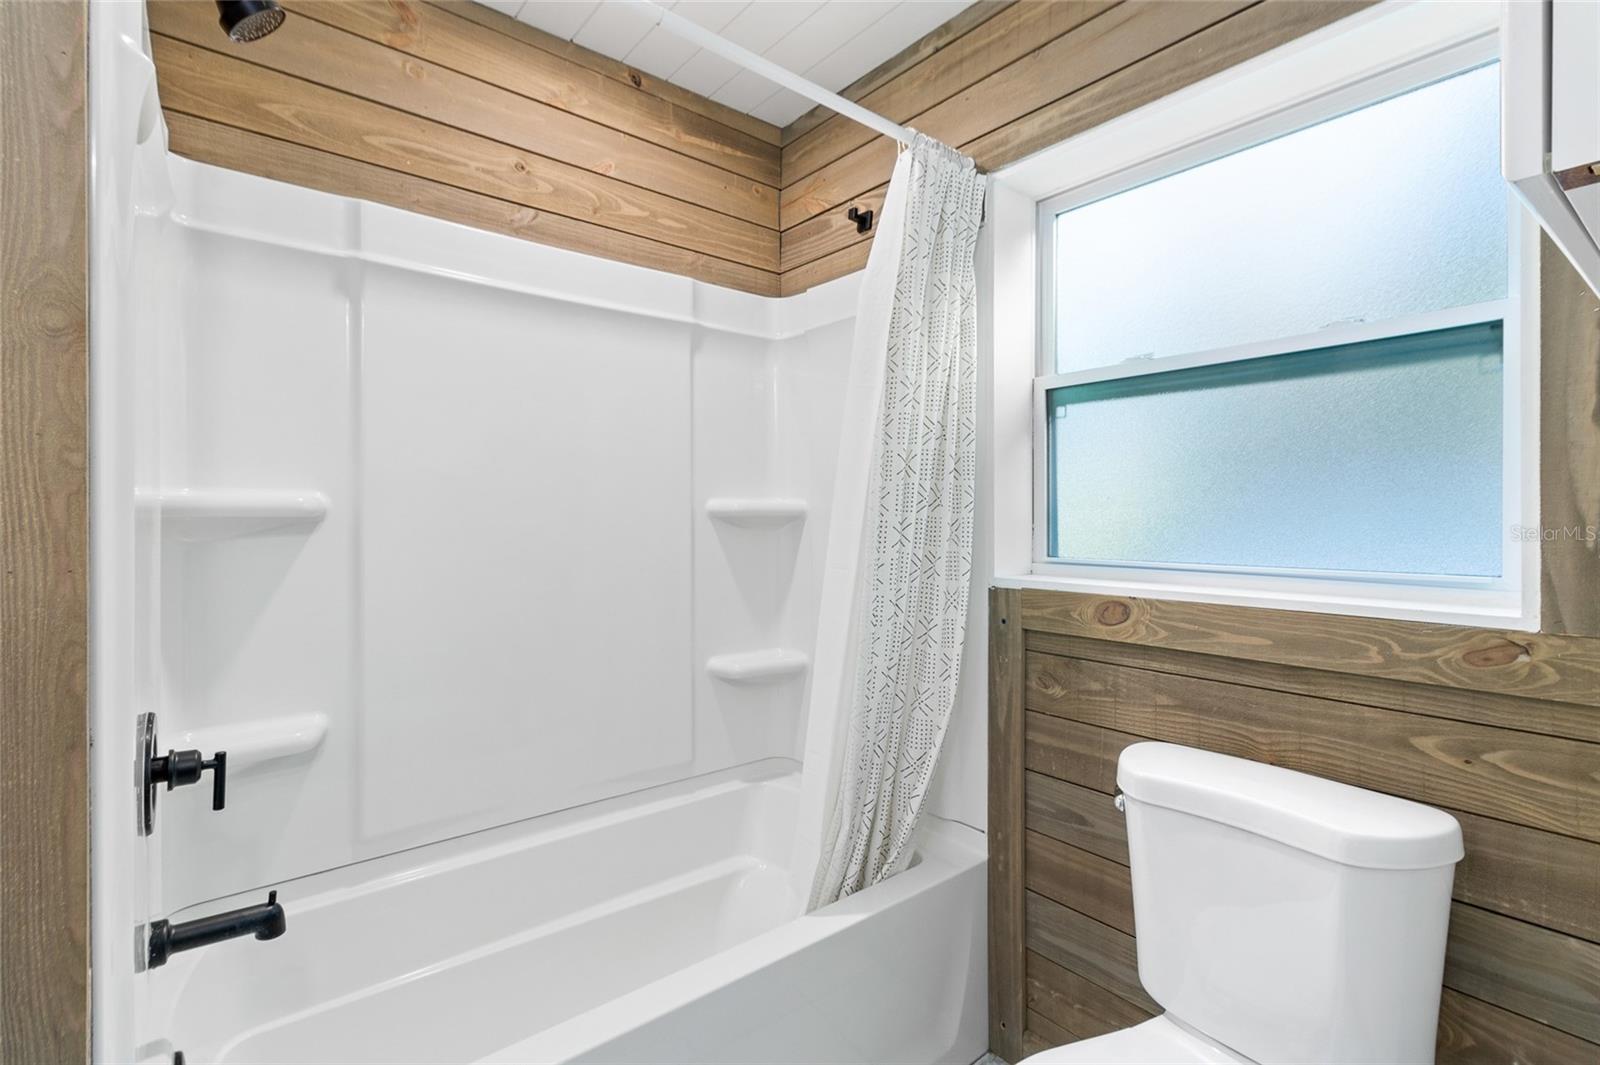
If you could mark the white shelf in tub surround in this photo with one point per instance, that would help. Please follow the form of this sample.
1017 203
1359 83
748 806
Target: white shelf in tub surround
250 743
756 513
218 514
758 667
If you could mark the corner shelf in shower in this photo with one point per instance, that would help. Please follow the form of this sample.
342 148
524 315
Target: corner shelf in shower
219 514
758 667
756 512
250 743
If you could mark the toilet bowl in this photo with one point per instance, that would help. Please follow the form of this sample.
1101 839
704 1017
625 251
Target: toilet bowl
1281 917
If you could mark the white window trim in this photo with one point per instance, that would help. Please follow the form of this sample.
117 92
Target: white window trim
1387 50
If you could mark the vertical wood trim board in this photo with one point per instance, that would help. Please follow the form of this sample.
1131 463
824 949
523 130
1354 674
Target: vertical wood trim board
1569 427
1007 679
1511 749
44 786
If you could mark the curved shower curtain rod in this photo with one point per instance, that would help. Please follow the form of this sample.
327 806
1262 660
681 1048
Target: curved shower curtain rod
679 26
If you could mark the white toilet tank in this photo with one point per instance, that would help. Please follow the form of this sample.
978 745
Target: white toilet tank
1287 917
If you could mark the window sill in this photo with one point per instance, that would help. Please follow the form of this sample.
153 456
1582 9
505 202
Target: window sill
1480 608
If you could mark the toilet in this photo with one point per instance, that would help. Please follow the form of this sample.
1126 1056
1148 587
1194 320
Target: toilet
1281 917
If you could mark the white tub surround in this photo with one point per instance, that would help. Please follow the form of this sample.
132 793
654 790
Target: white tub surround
494 568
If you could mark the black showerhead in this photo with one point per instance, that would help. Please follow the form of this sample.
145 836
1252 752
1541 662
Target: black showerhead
249 20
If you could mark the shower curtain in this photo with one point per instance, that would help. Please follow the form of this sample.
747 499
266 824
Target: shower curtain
915 346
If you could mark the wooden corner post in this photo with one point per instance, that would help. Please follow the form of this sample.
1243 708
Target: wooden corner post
1007 931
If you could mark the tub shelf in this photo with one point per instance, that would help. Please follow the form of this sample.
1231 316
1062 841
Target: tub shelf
251 743
756 512
218 514
758 667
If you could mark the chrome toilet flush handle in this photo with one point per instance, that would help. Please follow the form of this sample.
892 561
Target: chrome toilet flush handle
1120 802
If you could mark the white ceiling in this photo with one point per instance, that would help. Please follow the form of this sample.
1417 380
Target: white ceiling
831 42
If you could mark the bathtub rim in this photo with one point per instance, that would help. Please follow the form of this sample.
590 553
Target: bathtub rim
945 850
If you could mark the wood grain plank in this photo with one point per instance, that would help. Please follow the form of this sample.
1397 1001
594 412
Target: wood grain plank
1569 448
994 44
1077 1005
1034 1043
1090 884
1541 877
933 41
1077 815
1097 952
283 161
1532 971
1558 668
307 49
1048 1032
1246 35
1007 971
1514 776
468 47
1101 46
44 605
846 260
1472 1032
617 71
1084 754
197 82
829 232
1568 720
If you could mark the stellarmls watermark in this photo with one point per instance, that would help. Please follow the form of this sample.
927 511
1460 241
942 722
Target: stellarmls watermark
1549 533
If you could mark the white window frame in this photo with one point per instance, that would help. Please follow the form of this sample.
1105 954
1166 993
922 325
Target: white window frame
1333 73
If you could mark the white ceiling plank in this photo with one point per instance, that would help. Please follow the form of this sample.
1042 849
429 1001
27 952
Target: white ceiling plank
747 89
830 42
825 32
886 37
704 73
614 29
757 28
560 18
782 107
661 53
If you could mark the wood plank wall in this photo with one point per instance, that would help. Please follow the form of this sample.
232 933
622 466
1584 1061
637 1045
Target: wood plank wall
44 603
1500 729
455 110
1003 81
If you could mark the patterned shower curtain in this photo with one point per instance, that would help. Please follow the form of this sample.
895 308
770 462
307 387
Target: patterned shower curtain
910 602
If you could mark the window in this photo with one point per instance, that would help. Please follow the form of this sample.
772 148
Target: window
1291 358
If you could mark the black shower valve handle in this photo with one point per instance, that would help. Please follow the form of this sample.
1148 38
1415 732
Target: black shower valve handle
179 768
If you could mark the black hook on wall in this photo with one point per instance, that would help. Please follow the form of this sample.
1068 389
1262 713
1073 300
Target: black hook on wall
862 219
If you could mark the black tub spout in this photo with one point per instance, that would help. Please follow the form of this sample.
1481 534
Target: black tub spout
265 921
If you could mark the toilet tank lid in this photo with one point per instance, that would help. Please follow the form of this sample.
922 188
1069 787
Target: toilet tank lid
1345 824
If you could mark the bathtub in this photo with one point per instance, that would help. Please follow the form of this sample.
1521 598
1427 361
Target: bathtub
659 927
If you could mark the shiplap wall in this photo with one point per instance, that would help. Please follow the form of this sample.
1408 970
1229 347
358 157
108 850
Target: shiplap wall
1500 729
455 110
1002 81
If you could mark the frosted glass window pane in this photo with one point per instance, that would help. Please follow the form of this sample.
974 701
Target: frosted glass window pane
1394 209
1376 457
